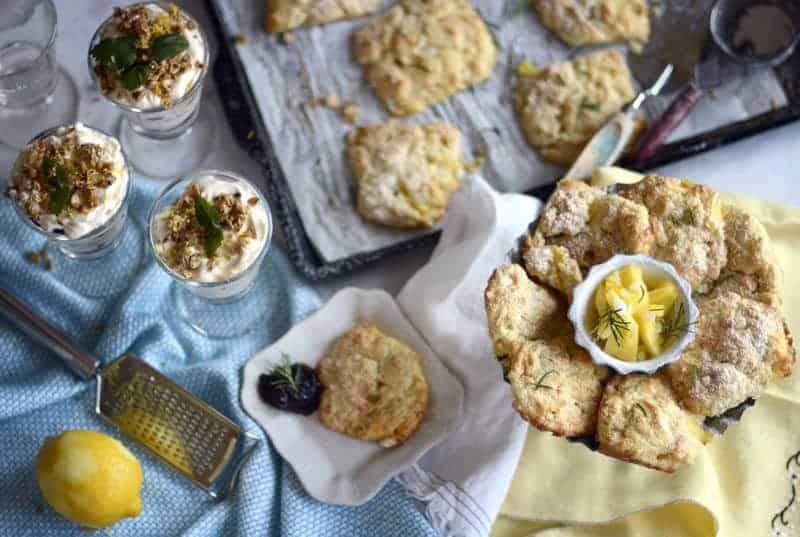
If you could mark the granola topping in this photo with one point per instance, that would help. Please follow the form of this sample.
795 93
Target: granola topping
183 237
162 80
70 182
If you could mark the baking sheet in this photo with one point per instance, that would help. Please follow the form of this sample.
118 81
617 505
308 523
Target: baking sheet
309 140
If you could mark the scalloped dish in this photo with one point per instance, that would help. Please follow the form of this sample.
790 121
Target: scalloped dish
657 416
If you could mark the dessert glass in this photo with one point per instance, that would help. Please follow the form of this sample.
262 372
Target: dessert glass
35 92
159 141
219 309
100 263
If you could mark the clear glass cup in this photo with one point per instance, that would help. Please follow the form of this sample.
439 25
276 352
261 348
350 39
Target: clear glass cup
221 309
100 263
35 92
165 142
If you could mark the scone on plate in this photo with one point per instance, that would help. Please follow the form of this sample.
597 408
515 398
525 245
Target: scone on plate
374 386
423 51
739 346
640 421
405 174
688 227
555 385
519 309
591 22
283 15
561 106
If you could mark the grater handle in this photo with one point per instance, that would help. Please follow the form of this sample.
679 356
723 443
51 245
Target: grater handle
22 317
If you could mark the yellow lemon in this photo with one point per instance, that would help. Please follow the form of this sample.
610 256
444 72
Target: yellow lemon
89 478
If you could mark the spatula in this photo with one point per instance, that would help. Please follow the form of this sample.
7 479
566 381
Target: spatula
178 428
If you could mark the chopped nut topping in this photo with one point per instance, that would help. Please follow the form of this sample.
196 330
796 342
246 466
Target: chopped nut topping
144 26
183 244
83 164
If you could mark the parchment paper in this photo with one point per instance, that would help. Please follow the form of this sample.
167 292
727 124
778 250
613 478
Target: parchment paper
309 140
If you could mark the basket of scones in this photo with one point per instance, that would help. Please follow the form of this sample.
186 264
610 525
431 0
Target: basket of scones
639 319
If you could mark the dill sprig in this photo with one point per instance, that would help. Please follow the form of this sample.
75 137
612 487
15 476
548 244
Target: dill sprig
640 407
644 290
282 376
615 323
540 383
677 323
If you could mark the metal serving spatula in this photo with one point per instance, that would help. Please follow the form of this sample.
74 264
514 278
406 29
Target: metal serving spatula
174 425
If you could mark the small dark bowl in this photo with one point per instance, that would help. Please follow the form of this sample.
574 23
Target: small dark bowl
723 23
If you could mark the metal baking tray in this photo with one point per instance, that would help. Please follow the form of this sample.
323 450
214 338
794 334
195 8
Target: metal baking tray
251 134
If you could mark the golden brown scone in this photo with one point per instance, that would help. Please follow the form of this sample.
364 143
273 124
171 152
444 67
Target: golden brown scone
374 386
405 173
285 15
739 346
640 421
619 226
518 309
686 219
553 266
423 51
565 221
561 106
555 385
750 259
582 22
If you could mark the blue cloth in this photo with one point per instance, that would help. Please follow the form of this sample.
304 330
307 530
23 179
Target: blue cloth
39 397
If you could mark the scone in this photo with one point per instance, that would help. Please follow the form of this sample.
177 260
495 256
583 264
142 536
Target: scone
555 385
405 174
619 226
740 345
640 421
687 222
553 266
591 22
283 15
374 386
423 51
565 221
561 106
518 309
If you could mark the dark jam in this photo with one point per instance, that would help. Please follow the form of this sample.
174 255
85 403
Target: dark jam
294 388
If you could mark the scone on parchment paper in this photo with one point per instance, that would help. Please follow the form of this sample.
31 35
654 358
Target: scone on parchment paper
593 22
283 15
423 51
405 174
640 421
374 386
561 106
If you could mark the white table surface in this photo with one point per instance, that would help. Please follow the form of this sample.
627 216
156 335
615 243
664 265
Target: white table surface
762 166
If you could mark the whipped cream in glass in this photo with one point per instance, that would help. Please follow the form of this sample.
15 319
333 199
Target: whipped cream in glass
179 236
144 98
95 165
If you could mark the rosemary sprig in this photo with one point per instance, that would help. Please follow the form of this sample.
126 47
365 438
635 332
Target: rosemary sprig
282 376
677 323
612 320
540 383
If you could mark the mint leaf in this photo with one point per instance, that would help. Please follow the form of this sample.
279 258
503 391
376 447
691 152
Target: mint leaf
59 182
116 52
135 76
208 218
165 47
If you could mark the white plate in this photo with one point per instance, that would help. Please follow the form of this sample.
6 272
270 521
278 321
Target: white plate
332 467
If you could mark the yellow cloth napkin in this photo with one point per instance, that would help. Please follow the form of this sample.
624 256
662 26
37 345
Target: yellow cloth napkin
738 487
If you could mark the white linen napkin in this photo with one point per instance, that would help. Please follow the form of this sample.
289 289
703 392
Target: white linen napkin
464 479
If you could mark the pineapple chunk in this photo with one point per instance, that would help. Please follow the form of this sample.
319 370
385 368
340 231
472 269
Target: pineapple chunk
627 348
649 332
632 277
665 296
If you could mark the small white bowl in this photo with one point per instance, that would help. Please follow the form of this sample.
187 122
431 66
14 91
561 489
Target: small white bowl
583 298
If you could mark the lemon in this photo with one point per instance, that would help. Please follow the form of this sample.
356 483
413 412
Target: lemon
89 478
